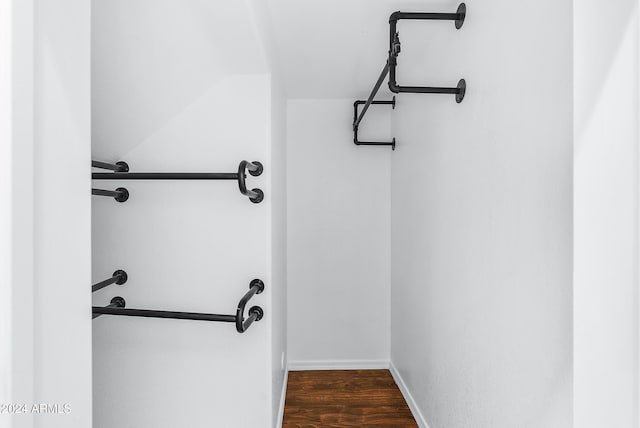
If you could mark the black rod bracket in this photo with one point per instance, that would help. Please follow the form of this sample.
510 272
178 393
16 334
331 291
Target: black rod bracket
358 117
121 194
390 69
255 313
395 47
119 277
462 14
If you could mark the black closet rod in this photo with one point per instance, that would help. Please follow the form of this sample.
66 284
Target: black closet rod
242 324
119 277
164 176
255 168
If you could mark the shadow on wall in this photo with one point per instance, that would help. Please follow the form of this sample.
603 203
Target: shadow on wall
152 59
598 52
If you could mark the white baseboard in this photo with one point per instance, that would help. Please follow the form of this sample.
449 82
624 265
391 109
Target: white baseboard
417 414
338 365
283 397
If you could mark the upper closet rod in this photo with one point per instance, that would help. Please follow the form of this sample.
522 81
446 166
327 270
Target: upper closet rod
255 168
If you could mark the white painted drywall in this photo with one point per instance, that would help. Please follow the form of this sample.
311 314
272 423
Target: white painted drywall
188 246
62 232
278 252
19 282
338 236
481 218
263 28
606 213
153 58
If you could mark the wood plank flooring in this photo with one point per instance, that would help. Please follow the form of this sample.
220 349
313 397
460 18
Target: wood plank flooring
345 398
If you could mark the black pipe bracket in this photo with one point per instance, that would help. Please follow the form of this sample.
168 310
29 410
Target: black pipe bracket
390 70
462 13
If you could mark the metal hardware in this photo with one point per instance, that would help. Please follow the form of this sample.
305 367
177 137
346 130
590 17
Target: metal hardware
120 194
357 119
119 277
255 312
120 166
116 302
255 169
394 51
242 324
392 63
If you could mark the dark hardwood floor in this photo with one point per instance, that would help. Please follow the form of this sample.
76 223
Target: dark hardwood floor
345 398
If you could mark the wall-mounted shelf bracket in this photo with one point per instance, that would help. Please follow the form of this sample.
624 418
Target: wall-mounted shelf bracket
395 48
356 123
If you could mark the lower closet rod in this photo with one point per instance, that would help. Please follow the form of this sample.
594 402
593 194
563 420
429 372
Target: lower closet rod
242 324
116 302
147 313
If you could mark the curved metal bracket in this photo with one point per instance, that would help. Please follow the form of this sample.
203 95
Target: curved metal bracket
255 313
255 168
120 194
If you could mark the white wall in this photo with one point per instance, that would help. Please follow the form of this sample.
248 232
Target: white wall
338 237
481 218
22 205
62 274
153 58
188 246
47 338
278 263
171 94
606 214
260 16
